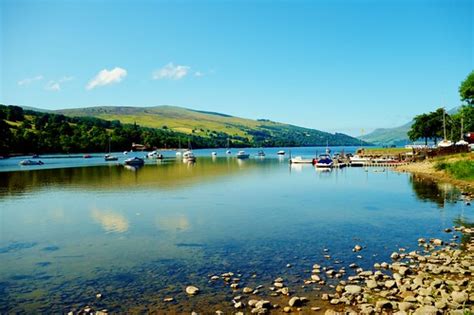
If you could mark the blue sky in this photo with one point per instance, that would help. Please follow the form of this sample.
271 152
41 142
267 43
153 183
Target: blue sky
330 65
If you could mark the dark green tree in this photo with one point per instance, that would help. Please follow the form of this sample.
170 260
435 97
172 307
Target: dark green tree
466 90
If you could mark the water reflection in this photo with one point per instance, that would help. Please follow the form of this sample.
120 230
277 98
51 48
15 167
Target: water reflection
173 223
111 222
428 190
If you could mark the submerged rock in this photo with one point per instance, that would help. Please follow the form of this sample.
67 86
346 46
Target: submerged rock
192 290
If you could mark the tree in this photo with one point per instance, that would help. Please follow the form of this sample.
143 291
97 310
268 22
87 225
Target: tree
466 90
428 126
15 113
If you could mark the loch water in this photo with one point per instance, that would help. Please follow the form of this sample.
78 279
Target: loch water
69 231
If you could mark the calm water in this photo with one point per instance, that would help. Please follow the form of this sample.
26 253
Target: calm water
139 236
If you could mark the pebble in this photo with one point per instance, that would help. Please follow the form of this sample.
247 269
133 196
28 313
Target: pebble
357 248
192 290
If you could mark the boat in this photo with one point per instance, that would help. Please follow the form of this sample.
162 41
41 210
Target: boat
214 153
179 153
109 157
188 156
281 152
35 156
134 161
357 160
445 143
228 147
261 153
154 155
30 162
462 141
324 161
125 152
242 155
87 156
300 160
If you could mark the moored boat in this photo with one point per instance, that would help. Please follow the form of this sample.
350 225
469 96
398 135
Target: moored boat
109 157
134 161
281 152
242 155
30 162
188 156
357 160
261 153
154 155
300 160
324 161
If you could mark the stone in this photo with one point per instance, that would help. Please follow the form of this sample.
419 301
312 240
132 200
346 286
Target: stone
294 301
353 289
381 304
315 308
315 277
395 256
192 290
405 306
459 297
357 248
288 265
371 284
389 284
287 309
426 310
239 304
247 290
437 242
334 301
168 299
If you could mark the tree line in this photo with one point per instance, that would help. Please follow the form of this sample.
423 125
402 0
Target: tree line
429 126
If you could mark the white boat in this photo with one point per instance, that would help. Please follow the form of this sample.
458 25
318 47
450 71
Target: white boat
108 156
300 160
445 144
134 161
125 152
242 155
462 141
30 162
357 160
261 153
281 152
188 156
228 152
154 155
214 153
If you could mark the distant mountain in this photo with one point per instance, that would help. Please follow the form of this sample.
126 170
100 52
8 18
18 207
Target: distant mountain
207 124
389 136
394 136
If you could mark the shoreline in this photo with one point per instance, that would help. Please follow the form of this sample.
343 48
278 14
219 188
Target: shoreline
435 278
427 169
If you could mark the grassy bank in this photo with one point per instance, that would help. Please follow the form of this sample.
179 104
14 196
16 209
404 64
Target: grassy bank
457 169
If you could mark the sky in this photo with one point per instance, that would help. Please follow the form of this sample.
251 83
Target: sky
346 66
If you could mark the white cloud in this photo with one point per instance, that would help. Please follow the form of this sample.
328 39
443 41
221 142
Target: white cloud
27 81
170 71
198 74
106 77
55 85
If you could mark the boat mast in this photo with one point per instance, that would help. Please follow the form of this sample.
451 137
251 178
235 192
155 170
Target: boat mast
444 124
462 128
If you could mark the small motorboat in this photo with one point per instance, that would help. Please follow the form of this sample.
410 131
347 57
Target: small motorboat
30 162
242 155
281 152
324 161
300 160
87 156
134 161
228 152
261 153
154 155
214 153
357 160
35 156
125 152
188 156
110 157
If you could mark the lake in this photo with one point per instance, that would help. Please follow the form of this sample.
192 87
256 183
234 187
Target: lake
69 232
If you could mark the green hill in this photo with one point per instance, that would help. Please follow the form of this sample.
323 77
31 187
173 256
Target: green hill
389 136
260 132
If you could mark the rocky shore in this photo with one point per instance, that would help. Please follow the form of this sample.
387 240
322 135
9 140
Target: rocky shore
435 279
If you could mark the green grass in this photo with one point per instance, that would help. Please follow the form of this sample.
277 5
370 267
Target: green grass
463 169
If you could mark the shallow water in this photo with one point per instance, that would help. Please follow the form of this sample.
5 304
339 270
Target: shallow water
139 236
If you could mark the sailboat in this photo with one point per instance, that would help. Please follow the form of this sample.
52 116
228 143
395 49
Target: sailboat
228 147
445 143
188 156
108 156
462 141
178 153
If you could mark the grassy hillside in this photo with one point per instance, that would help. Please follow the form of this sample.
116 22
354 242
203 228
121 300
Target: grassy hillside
207 124
389 136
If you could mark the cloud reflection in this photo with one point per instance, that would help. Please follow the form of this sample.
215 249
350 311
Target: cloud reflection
173 223
111 222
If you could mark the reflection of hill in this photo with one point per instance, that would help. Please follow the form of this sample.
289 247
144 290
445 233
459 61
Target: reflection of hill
168 175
